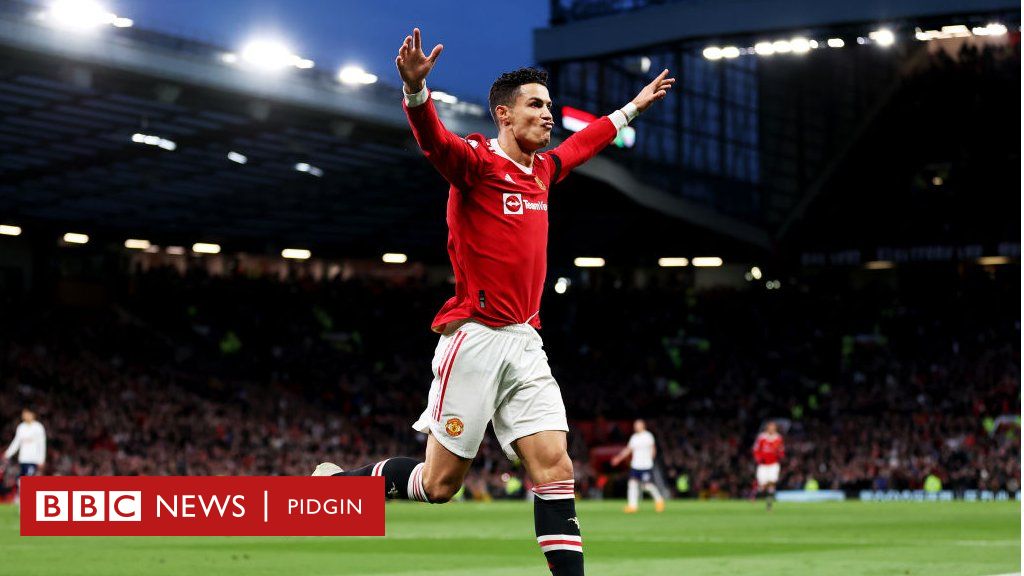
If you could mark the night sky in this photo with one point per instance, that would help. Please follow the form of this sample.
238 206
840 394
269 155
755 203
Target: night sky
481 39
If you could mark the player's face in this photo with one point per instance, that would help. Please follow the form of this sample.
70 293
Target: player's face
531 117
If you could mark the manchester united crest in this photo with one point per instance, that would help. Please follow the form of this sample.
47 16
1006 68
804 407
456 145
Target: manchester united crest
453 427
539 183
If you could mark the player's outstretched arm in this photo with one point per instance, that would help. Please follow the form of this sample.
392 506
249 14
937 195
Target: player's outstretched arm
413 64
453 156
586 143
653 92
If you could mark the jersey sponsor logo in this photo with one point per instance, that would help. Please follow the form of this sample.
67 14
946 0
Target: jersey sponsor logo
453 427
513 203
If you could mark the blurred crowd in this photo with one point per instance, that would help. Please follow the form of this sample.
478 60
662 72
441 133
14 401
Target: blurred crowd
876 387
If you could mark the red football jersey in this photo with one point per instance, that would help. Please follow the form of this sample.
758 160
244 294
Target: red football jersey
498 216
769 449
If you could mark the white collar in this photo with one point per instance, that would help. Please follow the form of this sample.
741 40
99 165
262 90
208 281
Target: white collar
497 150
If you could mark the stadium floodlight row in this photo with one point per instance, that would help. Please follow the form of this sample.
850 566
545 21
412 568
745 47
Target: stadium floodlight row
669 262
882 37
141 244
262 55
236 157
233 156
388 258
267 55
81 16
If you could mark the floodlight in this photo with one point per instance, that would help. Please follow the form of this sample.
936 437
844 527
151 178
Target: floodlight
883 37
267 55
204 248
707 261
673 262
79 15
800 45
354 75
296 254
588 262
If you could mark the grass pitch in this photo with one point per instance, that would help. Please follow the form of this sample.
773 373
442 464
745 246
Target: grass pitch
496 539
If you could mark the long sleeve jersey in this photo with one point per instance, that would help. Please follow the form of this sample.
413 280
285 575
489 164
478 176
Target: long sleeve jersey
498 216
29 443
769 449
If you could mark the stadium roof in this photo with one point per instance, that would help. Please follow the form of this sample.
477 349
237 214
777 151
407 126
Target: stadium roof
586 32
129 132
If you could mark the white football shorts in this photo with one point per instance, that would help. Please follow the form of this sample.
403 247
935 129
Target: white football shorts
767 474
498 375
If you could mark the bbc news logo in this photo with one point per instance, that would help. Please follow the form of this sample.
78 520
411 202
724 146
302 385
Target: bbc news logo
89 506
202 506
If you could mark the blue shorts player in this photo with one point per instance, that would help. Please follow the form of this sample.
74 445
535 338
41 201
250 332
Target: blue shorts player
30 445
641 467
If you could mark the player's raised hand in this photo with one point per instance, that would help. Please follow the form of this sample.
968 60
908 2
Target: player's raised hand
654 91
413 64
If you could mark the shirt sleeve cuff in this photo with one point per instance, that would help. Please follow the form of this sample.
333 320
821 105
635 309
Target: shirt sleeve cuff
618 119
414 100
631 112
624 115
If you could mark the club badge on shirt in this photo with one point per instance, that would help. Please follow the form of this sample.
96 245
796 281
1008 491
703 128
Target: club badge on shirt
539 183
453 427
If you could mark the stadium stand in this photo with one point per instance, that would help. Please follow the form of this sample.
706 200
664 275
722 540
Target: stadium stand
200 374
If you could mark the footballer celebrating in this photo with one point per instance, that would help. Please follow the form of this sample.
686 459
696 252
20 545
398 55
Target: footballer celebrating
490 364
768 453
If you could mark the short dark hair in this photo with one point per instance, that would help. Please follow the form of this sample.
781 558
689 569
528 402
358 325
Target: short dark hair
504 90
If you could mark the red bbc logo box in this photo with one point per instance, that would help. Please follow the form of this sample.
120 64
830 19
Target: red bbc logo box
88 506
202 506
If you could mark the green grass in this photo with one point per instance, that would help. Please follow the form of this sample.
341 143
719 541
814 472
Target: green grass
690 538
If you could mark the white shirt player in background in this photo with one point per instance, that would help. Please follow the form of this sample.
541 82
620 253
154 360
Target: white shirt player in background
641 447
30 445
